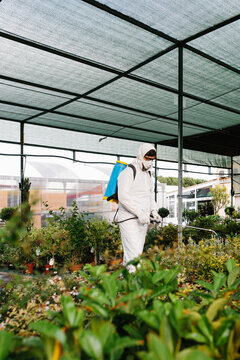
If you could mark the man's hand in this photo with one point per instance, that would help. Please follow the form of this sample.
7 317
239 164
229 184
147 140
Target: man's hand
143 217
155 216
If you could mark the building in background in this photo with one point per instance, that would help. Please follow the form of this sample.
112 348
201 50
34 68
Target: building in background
58 185
197 196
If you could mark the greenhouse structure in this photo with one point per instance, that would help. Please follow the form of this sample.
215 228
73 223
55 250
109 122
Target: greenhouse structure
103 76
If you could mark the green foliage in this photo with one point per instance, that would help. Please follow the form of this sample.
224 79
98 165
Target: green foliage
223 227
162 237
7 212
53 242
25 189
163 212
220 197
140 316
199 260
206 208
103 237
17 226
189 215
229 210
187 181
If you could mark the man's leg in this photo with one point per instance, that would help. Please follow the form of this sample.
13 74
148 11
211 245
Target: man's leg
133 237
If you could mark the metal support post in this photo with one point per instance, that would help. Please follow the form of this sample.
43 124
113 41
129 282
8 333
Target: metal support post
21 184
180 140
155 175
74 156
232 190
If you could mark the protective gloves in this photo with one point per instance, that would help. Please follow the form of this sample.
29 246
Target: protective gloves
143 217
155 216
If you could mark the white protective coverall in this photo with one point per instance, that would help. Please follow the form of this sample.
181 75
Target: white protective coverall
136 198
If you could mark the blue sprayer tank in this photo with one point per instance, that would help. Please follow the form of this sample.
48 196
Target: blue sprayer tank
111 191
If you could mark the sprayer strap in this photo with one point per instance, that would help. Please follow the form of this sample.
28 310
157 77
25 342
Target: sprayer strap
115 216
134 170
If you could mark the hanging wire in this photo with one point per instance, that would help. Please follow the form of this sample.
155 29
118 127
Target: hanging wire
97 162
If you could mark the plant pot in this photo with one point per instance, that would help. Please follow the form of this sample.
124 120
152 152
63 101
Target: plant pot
76 267
115 262
30 268
47 268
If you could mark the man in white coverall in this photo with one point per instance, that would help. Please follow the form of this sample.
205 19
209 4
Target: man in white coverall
136 199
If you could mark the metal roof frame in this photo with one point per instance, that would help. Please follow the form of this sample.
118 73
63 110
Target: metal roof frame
191 141
126 118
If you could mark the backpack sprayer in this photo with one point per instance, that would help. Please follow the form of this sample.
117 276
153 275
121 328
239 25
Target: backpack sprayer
111 193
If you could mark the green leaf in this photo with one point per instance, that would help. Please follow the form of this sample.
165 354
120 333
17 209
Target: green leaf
223 333
92 345
159 309
161 290
205 284
104 330
206 328
110 287
73 316
46 328
149 318
132 331
190 354
168 335
233 274
95 271
6 340
124 342
219 282
216 306
97 309
158 276
98 296
140 293
158 349
230 264
171 275
195 337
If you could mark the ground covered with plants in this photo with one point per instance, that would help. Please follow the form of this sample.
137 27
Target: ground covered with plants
99 314
183 301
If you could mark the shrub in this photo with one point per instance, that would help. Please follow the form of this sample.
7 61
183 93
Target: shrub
103 237
229 210
189 215
7 212
145 316
53 242
163 212
163 237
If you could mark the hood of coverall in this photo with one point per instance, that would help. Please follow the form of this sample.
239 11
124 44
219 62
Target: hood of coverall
142 151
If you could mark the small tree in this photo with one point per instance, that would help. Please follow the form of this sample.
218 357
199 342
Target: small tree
189 215
163 212
220 197
229 210
6 213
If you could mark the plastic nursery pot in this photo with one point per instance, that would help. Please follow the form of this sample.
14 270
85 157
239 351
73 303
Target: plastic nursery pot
47 268
30 268
76 267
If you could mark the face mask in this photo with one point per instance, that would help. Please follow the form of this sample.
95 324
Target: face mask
147 165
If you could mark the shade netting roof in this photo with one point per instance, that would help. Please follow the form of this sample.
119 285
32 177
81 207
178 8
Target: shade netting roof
111 69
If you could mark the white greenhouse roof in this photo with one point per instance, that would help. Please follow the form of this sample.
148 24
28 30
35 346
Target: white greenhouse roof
78 71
